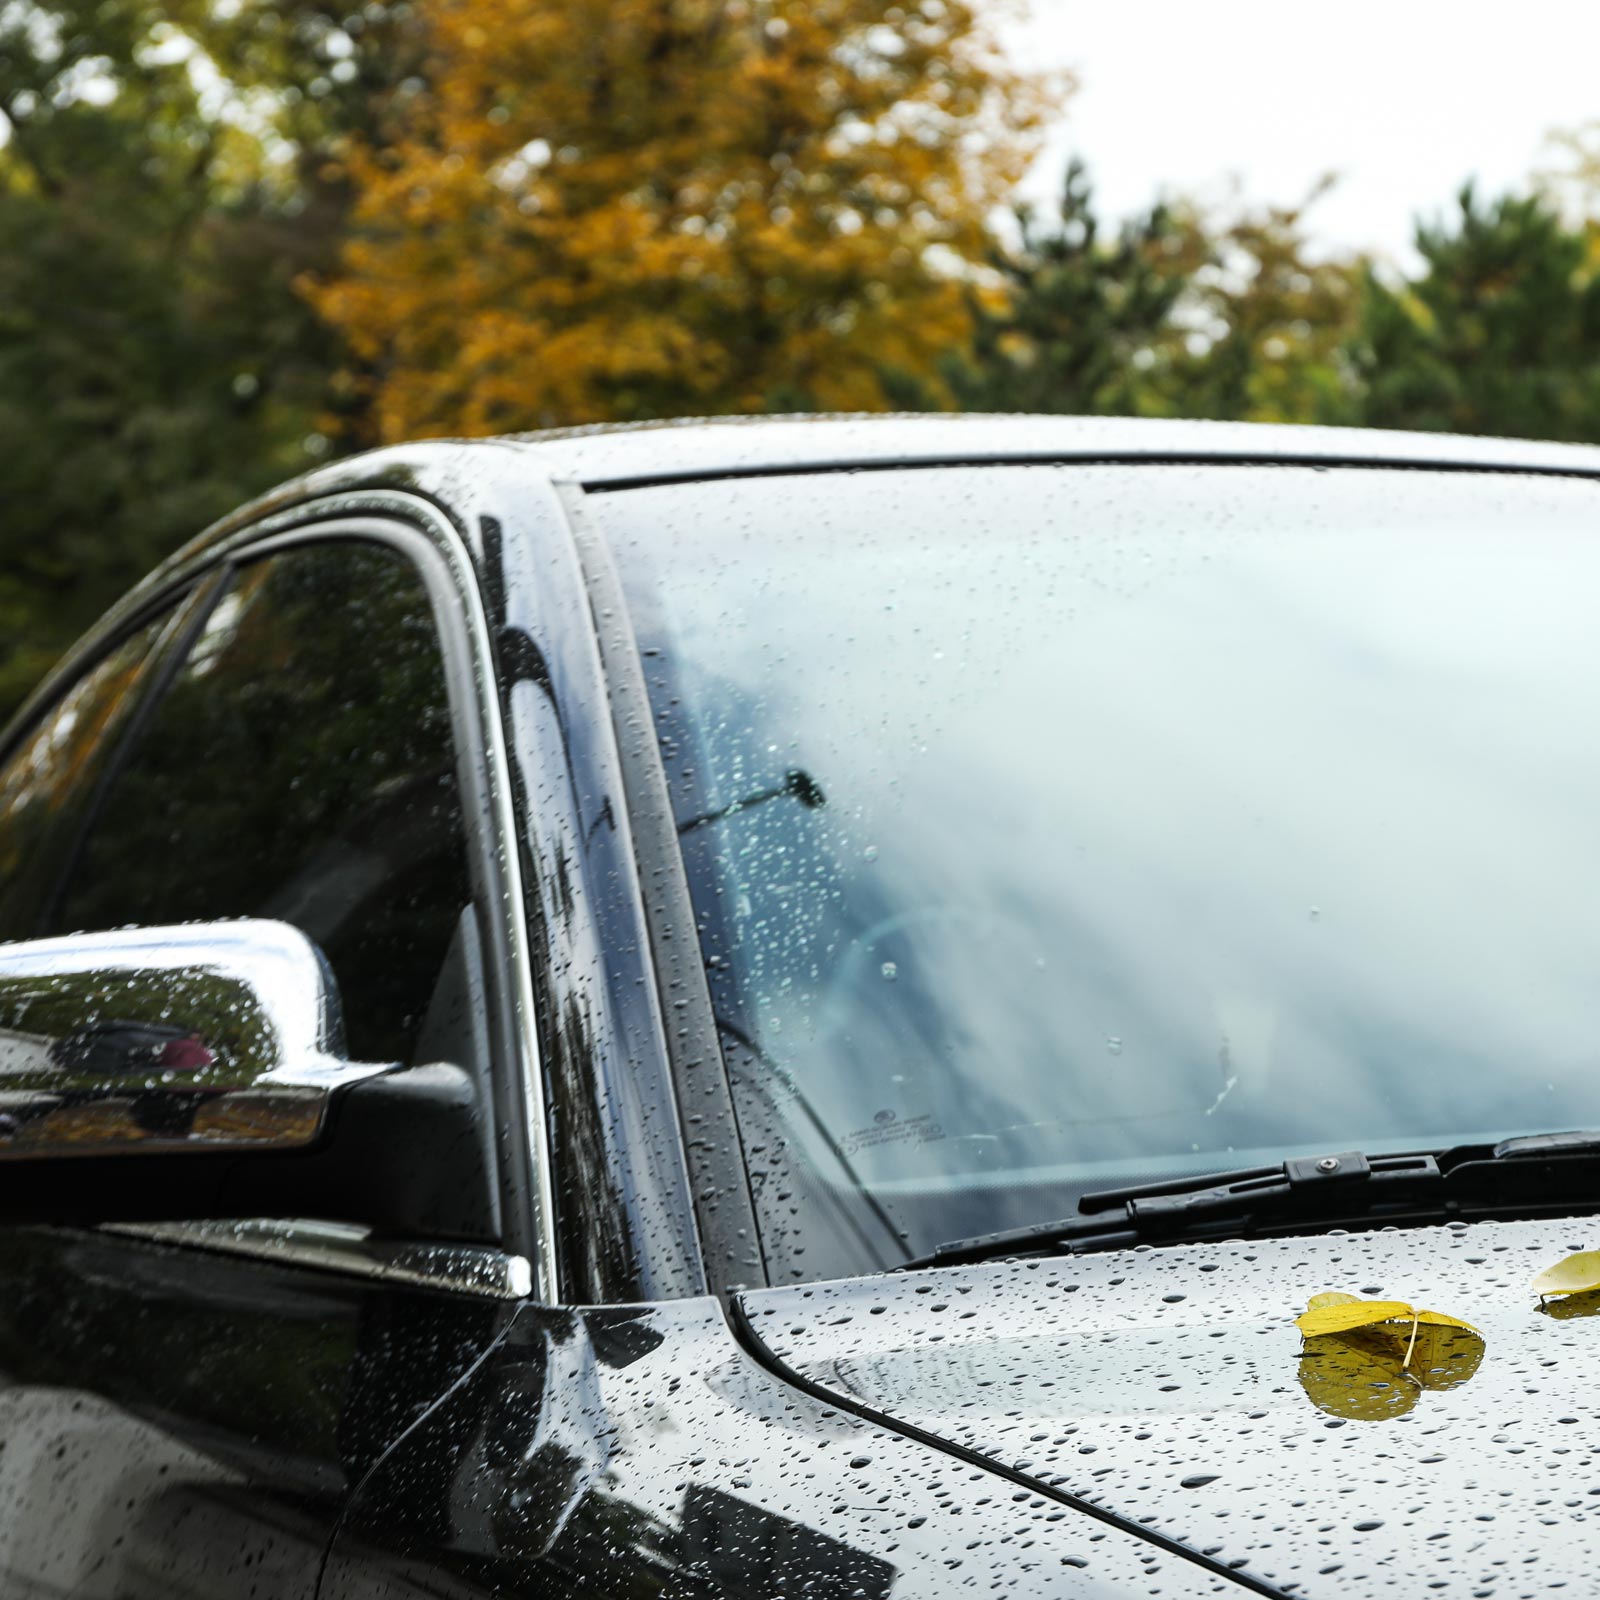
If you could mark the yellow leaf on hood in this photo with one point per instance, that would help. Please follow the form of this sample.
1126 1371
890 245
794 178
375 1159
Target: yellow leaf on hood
1571 1275
1341 1315
1332 1297
1335 1312
1373 1374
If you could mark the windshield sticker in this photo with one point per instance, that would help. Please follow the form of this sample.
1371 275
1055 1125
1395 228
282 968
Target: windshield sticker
889 1127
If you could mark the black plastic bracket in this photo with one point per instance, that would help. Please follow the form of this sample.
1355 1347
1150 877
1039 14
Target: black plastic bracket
1342 1168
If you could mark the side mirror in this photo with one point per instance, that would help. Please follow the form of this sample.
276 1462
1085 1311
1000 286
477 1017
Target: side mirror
198 1071
209 1037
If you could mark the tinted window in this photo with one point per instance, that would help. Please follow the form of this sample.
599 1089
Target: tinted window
52 773
300 767
1073 826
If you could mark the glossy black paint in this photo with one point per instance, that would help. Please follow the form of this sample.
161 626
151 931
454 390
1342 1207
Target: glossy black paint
179 1423
1168 1390
627 1222
713 1149
613 1114
640 1451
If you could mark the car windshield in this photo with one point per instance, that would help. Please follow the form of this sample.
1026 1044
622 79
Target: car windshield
1057 827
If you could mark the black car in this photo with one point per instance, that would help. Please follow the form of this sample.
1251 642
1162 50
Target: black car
797 1008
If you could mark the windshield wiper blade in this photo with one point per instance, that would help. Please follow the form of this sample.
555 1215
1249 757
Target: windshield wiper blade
1544 1171
1182 1207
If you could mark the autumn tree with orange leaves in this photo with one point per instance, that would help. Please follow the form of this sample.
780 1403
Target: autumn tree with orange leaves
600 209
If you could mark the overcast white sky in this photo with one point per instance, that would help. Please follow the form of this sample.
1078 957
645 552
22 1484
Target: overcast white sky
1403 98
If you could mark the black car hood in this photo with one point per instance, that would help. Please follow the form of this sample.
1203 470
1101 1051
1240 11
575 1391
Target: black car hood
1167 1389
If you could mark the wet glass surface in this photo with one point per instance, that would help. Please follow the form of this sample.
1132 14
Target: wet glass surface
1054 828
52 772
300 768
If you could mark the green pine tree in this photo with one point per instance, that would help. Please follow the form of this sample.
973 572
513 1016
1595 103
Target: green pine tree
1178 314
1276 317
1074 322
1499 334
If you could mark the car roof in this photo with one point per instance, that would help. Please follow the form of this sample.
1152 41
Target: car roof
616 456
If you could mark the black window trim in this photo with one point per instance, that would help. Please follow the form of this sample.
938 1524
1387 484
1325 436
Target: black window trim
101 642
600 482
184 605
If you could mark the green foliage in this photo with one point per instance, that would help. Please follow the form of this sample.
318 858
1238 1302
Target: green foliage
1078 324
1278 318
1178 315
1182 315
1499 335
157 363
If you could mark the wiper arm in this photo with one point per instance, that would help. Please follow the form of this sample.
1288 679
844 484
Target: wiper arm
1548 1171
796 781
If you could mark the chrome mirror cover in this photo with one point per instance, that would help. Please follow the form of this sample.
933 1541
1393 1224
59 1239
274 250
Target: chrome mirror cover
204 1036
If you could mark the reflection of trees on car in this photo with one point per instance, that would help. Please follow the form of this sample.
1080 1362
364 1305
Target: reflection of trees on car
300 767
101 1025
55 767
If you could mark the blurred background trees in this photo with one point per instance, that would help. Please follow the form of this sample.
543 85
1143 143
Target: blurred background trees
614 209
240 236
156 360
1500 333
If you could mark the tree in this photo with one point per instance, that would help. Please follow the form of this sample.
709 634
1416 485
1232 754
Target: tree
1181 313
157 364
1500 334
1572 182
596 209
312 75
1070 323
1274 319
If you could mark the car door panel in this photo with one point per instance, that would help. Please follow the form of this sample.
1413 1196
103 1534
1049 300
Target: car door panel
181 1422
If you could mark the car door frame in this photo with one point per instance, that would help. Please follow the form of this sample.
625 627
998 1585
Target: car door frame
525 1263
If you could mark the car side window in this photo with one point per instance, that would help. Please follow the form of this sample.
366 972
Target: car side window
299 766
52 773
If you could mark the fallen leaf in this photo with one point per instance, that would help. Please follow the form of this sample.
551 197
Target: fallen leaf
1364 1374
1332 1297
1336 1312
1571 1275
1357 1375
